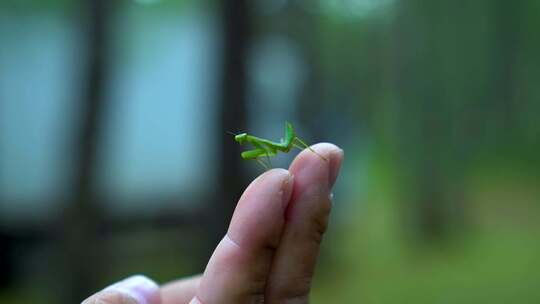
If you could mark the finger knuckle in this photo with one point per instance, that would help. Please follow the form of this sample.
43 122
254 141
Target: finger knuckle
320 222
293 293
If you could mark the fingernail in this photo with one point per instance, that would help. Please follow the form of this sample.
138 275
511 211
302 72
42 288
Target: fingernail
140 288
286 189
335 164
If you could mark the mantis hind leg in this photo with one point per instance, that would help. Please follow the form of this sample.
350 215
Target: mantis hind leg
268 159
298 143
268 154
268 151
262 163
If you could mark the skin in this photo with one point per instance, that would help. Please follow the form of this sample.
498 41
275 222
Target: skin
269 252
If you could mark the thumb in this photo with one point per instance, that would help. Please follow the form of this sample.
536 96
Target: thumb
137 289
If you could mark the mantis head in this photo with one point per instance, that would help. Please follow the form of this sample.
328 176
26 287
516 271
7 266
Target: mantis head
240 138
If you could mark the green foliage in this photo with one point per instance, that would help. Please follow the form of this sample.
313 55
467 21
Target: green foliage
379 262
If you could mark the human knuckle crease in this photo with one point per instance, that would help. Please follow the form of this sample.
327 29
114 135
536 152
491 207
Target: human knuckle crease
297 299
258 284
300 291
320 224
257 298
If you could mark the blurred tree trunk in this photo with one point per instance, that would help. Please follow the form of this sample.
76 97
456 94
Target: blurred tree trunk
6 261
507 27
305 29
430 155
232 178
83 252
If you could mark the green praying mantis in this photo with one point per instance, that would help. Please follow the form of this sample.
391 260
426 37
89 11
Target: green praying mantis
264 148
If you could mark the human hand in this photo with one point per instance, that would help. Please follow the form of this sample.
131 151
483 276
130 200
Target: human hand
269 252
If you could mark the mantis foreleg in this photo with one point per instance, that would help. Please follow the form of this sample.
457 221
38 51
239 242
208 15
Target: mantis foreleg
256 154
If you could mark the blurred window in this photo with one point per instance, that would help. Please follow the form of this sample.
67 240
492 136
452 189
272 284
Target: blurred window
161 84
38 84
162 92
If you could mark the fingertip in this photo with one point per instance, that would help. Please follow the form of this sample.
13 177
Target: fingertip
328 151
336 159
266 186
136 289
276 173
269 179
313 168
139 287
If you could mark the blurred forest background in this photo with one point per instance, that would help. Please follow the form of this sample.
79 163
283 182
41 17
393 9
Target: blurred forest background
114 156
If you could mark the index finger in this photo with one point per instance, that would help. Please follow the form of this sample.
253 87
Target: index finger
238 269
